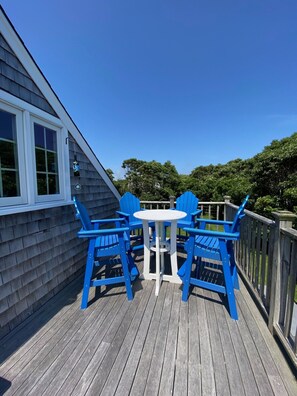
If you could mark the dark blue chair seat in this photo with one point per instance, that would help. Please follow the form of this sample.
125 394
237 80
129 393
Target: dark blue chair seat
104 243
204 245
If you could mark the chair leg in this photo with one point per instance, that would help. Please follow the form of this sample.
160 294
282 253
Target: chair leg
125 266
187 268
233 269
198 262
234 275
132 267
228 281
186 280
88 274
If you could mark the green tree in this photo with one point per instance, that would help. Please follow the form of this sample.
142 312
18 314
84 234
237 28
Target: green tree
151 180
110 173
270 178
275 172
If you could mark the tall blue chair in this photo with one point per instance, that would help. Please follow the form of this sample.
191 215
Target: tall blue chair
129 204
104 243
188 203
213 245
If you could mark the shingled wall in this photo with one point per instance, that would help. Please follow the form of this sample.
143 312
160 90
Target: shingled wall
15 79
40 252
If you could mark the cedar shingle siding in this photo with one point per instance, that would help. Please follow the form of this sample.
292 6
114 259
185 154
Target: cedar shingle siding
15 80
40 252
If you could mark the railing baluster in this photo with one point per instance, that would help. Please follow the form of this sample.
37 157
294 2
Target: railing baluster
289 286
263 262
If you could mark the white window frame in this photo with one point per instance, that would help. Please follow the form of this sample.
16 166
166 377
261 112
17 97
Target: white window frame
22 199
59 135
29 200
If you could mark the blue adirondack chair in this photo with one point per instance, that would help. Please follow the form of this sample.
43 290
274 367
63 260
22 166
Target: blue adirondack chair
105 242
188 203
213 245
130 204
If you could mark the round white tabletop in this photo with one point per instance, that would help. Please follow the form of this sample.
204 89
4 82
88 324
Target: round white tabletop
160 215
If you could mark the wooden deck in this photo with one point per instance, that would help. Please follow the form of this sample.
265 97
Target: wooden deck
149 346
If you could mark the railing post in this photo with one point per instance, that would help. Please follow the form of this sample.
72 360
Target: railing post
283 219
227 200
171 199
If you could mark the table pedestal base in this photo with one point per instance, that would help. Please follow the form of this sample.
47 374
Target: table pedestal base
160 246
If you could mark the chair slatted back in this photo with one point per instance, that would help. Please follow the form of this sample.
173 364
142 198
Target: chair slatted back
239 215
188 203
82 214
130 204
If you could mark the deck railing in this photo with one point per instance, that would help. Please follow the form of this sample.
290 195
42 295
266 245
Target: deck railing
213 210
267 261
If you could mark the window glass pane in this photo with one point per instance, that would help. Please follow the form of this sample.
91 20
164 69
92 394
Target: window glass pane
9 171
41 184
52 162
53 183
10 184
46 157
51 140
8 154
7 125
39 135
40 160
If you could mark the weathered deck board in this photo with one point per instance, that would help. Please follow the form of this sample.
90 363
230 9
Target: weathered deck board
206 360
151 345
167 379
140 380
219 365
194 368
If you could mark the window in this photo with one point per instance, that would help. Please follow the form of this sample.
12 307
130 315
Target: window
34 159
12 189
46 160
9 169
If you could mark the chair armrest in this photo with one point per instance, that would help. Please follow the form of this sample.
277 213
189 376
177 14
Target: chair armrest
201 223
218 222
118 222
102 221
216 234
123 214
198 211
96 233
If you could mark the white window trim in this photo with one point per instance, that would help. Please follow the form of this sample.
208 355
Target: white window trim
8 201
28 200
60 195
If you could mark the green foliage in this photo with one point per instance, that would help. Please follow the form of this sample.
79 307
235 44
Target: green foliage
266 205
212 182
110 173
275 172
151 180
270 178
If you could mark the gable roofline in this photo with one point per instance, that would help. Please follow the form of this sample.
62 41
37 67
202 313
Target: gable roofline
27 60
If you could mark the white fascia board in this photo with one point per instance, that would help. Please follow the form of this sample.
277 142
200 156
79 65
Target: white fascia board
25 58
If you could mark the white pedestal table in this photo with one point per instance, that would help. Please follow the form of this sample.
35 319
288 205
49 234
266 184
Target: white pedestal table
161 244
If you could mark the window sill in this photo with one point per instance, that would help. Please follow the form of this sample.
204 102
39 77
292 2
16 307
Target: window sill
30 208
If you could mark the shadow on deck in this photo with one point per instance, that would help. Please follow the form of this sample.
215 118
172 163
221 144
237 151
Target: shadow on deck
151 345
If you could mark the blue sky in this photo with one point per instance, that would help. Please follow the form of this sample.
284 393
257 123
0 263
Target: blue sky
194 82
